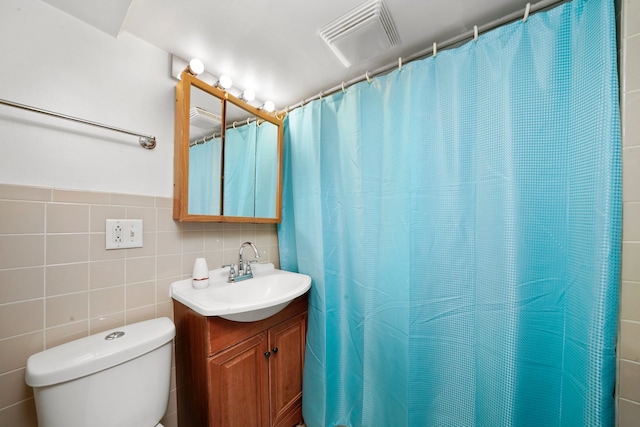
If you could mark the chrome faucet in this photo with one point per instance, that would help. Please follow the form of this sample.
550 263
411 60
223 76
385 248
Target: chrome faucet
244 268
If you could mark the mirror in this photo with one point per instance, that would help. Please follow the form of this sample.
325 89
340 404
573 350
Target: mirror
205 154
227 157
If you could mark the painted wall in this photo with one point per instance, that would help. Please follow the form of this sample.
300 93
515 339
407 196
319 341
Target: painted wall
60 180
53 61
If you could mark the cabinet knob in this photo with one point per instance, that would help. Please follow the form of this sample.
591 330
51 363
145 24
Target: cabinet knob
267 354
274 350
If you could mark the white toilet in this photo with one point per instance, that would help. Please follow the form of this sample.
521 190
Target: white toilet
114 378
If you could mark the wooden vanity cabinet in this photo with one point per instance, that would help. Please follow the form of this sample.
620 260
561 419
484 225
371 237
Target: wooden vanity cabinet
240 374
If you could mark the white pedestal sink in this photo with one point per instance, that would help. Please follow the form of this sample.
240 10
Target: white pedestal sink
269 291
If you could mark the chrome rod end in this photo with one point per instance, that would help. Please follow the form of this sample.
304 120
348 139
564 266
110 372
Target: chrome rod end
148 142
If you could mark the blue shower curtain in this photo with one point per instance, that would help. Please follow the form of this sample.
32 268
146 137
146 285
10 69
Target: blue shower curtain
460 219
239 170
266 170
204 177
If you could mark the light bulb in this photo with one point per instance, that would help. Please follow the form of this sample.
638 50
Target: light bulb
268 106
224 82
196 66
248 95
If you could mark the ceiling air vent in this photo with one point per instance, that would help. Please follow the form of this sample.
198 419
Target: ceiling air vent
362 33
203 119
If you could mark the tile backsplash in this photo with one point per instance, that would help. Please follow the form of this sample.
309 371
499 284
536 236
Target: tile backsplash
59 283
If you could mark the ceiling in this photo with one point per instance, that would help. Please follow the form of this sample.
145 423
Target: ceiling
273 46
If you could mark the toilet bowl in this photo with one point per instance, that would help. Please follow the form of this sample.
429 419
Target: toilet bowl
115 378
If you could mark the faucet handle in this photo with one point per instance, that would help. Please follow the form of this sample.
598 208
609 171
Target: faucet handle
232 271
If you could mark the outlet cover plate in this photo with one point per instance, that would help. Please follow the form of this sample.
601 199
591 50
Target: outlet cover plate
123 233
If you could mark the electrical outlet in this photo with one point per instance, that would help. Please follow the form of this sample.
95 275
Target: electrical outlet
123 233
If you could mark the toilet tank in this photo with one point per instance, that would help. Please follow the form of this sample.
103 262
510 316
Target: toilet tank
115 378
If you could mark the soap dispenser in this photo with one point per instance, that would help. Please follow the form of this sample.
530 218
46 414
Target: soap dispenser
200 278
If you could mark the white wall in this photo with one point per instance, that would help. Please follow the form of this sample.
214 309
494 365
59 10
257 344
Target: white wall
50 60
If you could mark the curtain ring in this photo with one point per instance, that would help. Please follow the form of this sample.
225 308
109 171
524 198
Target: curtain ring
234 125
475 33
367 76
343 89
400 63
526 12
435 49
277 116
320 96
248 120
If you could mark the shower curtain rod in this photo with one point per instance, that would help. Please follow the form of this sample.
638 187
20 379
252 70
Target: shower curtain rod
146 141
521 14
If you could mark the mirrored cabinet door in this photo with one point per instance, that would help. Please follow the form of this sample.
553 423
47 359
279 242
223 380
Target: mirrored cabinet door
250 168
227 157
205 154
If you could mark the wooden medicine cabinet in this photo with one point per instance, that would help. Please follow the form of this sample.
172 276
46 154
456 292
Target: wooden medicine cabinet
227 157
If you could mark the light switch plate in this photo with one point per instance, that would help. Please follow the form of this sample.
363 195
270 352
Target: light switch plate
123 233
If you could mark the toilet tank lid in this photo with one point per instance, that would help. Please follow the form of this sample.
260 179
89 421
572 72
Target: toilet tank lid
95 353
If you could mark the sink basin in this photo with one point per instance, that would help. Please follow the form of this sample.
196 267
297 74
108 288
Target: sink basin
269 291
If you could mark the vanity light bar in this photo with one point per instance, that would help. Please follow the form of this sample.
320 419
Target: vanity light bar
268 106
224 82
195 66
248 95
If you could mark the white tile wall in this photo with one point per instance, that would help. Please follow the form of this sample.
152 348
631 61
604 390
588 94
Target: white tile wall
628 390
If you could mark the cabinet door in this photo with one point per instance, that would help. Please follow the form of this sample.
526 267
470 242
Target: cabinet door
286 343
238 385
